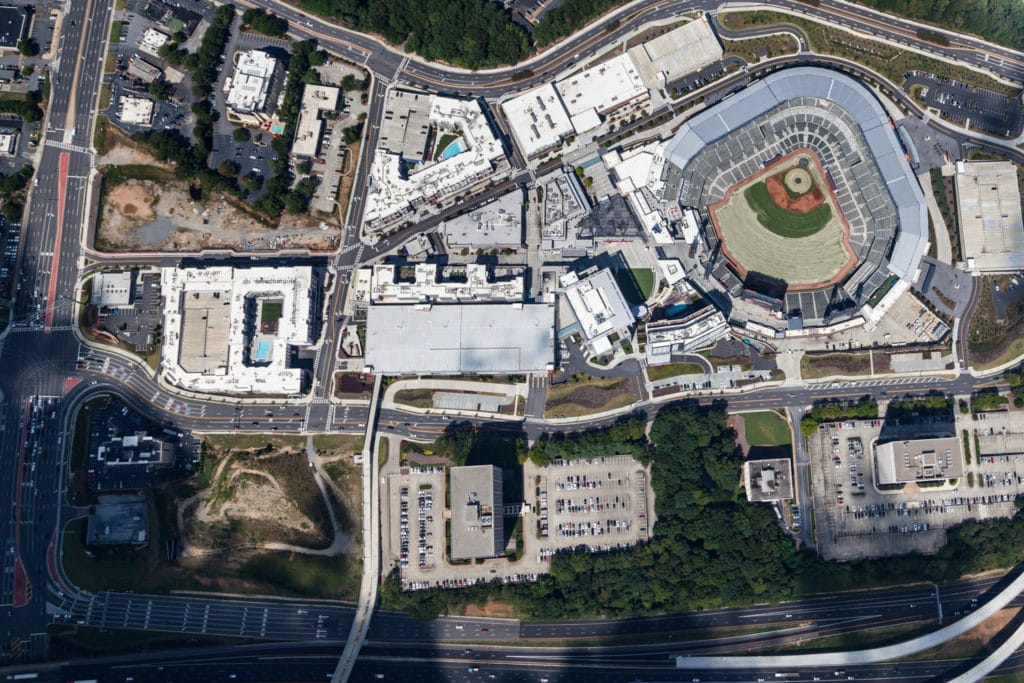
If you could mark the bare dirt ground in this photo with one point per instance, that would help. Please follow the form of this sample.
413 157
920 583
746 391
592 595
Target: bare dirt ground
805 203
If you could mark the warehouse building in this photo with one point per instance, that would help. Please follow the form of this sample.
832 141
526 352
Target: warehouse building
459 339
991 224
919 461
477 512
595 92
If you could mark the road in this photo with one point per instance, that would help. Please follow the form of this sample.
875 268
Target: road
47 373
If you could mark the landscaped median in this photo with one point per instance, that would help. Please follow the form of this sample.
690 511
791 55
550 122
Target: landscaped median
457 397
659 372
584 395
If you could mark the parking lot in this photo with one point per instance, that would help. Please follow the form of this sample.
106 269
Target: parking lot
416 536
854 519
964 104
136 325
602 504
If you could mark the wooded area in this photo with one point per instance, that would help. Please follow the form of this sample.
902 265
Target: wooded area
469 33
1001 21
711 547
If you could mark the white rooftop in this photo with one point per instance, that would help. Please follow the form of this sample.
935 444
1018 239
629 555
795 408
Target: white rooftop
538 119
152 40
453 284
211 342
989 203
393 194
112 289
135 110
598 304
460 339
600 89
250 83
681 51
496 224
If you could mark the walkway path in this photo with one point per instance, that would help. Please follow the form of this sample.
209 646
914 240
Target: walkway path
943 247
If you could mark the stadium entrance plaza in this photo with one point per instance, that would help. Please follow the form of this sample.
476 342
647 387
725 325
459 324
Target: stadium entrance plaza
594 504
869 523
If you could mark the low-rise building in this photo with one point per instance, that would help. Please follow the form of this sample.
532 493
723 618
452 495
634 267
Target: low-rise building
768 480
458 339
919 461
139 448
405 126
251 88
230 330
118 519
477 512
991 222
152 40
142 71
111 289
593 93
598 306
496 225
681 51
538 120
137 111
697 330
12 27
8 141
309 128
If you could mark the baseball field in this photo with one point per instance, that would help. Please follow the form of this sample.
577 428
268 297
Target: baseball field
784 223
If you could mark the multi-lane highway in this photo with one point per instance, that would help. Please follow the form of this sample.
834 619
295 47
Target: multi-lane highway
47 373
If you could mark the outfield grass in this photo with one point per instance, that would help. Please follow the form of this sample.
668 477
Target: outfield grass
781 222
766 428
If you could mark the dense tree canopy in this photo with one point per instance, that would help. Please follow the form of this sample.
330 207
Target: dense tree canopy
468 33
1001 21
262 22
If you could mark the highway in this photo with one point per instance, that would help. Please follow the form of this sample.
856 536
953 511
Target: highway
48 373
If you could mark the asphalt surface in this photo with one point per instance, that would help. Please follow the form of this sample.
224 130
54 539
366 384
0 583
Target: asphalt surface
40 354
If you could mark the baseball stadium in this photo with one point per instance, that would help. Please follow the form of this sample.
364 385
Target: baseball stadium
808 203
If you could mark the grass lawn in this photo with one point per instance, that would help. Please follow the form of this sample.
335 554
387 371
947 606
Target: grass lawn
674 369
785 223
115 30
335 578
870 637
766 428
417 398
826 365
242 442
644 279
588 395
338 442
106 93
271 311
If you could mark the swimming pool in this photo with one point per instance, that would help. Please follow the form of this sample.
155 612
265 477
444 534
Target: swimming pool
263 350
451 150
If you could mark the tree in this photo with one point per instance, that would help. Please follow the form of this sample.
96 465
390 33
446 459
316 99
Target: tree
160 89
12 211
304 167
352 134
262 22
28 47
228 169
241 135
251 181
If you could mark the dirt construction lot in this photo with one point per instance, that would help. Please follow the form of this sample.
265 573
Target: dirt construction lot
144 215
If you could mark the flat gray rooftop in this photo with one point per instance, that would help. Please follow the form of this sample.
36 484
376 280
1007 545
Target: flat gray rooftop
205 328
460 339
477 508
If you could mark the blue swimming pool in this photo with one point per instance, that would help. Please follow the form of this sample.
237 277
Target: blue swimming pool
263 350
677 308
454 148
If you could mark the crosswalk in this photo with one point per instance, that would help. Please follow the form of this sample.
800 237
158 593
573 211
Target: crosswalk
68 147
892 381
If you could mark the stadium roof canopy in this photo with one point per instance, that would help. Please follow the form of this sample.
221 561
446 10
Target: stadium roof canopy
782 86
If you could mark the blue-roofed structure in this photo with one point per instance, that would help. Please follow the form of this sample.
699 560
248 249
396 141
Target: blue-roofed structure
842 122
